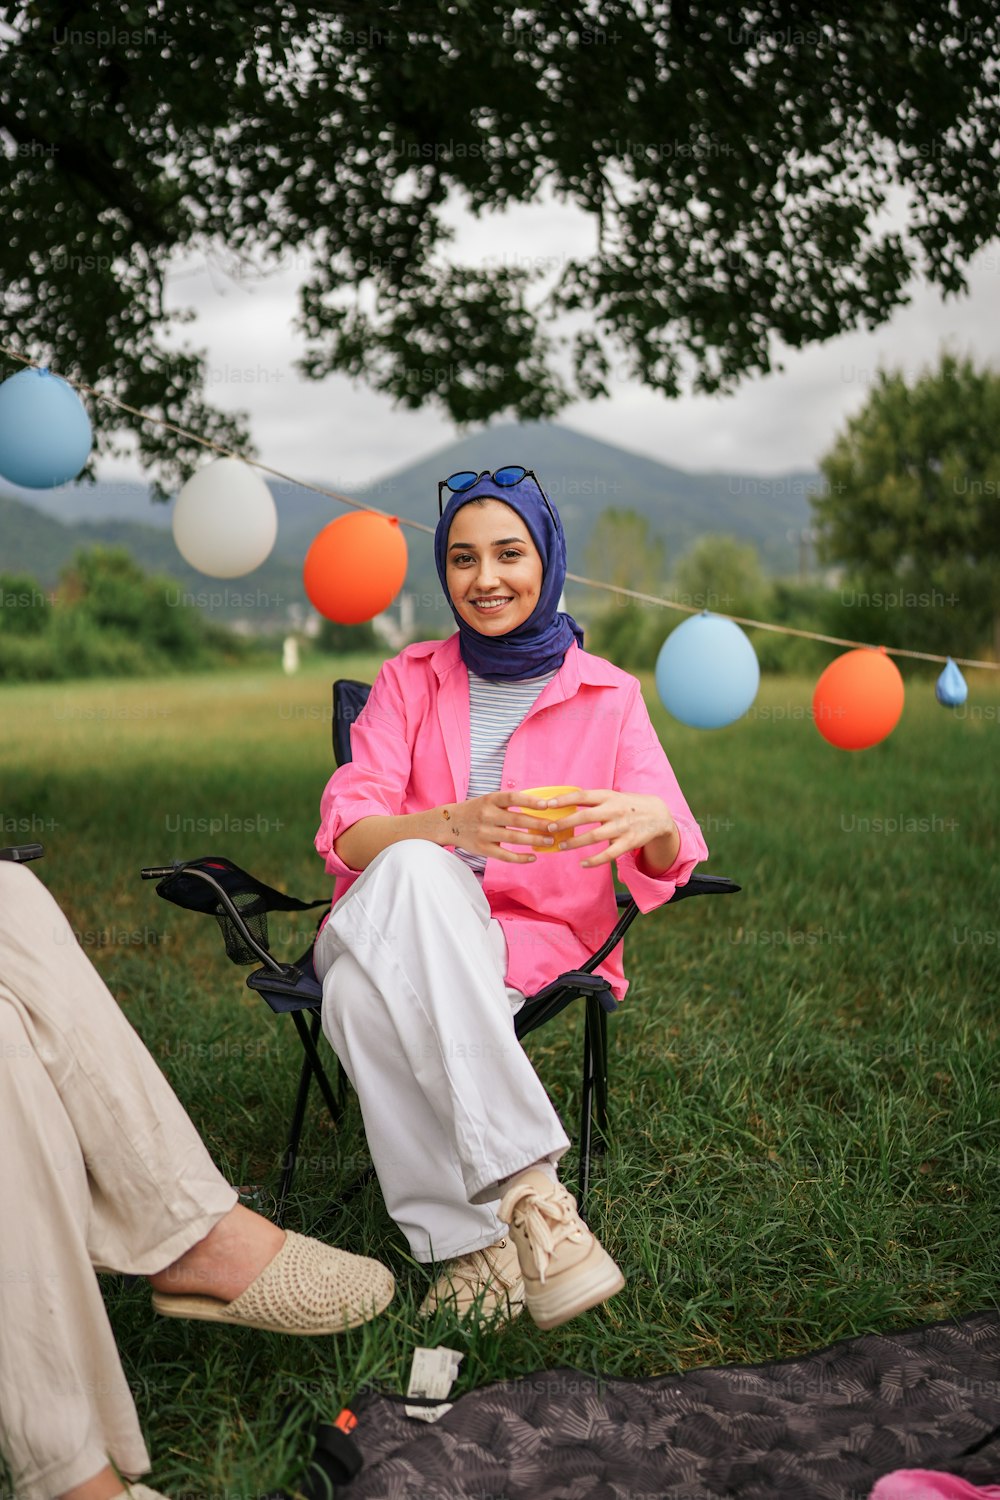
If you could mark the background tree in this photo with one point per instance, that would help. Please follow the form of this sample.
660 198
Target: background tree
912 509
624 550
721 574
733 164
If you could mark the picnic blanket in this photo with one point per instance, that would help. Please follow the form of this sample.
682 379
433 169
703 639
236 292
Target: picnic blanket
825 1425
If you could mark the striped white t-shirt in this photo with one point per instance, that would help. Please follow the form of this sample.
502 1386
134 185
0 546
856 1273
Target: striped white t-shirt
495 711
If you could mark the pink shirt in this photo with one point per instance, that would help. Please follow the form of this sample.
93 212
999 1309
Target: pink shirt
589 727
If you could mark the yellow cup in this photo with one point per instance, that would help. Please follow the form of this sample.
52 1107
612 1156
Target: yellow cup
551 814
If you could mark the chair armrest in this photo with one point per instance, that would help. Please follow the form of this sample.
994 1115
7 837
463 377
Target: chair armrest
20 853
698 885
227 910
237 900
705 885
540 1008
297 989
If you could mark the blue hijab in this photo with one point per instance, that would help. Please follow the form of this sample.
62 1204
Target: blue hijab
541 641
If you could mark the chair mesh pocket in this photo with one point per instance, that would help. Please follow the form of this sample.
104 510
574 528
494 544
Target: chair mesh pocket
237 947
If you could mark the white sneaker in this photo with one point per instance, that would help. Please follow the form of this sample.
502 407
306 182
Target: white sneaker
564 1267
486 1281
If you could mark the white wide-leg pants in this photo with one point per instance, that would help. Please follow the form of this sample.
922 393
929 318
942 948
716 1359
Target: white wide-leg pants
100 1168
416 1008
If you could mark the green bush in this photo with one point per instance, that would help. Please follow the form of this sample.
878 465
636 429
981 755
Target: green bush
109 619
26 658
82 649
24 609
336 639
112 591
71 647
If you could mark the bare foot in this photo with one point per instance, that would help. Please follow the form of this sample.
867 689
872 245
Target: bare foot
224 1263
102 1487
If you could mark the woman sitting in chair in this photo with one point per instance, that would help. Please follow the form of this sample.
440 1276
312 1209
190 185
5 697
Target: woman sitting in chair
445 919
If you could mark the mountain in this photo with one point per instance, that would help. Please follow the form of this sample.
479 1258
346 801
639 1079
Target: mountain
34 542
39 530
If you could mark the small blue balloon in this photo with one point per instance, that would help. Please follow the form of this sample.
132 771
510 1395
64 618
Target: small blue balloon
951 688
707 672
45 433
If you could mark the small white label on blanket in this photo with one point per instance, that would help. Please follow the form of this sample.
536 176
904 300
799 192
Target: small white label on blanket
432 1373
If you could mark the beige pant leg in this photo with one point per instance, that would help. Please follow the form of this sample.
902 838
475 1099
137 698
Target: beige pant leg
100 1167
64 1402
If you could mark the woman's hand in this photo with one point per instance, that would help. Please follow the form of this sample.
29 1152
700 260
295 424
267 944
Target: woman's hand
629 820
479 824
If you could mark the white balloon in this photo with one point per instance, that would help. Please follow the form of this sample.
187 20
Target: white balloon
225 521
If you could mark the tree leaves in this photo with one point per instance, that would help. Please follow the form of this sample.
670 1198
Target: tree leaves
735 167
912 492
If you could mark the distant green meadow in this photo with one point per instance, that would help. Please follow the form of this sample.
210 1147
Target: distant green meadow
804 1076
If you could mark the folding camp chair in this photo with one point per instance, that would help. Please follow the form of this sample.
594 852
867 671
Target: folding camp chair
240 904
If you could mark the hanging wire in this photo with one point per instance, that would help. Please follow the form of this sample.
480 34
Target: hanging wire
595 583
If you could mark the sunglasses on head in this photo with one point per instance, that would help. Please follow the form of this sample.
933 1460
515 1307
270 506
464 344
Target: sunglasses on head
503 479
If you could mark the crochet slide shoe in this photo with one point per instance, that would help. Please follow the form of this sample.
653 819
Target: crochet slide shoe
307 1289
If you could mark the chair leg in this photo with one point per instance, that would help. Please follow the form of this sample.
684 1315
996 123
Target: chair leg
586 1109
309 1037
594 1093
294 1135
312 1066
601 1078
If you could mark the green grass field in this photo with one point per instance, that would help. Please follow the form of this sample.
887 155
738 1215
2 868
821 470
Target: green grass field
804 1076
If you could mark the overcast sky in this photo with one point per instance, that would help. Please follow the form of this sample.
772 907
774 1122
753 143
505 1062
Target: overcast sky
345 436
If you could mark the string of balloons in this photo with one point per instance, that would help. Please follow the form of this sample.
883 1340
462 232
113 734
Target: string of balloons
225 525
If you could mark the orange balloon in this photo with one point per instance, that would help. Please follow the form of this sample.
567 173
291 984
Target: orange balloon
355 567
858 699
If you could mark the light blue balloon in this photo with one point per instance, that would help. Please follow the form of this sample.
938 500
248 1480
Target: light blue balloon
707 673
45 433
951 688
